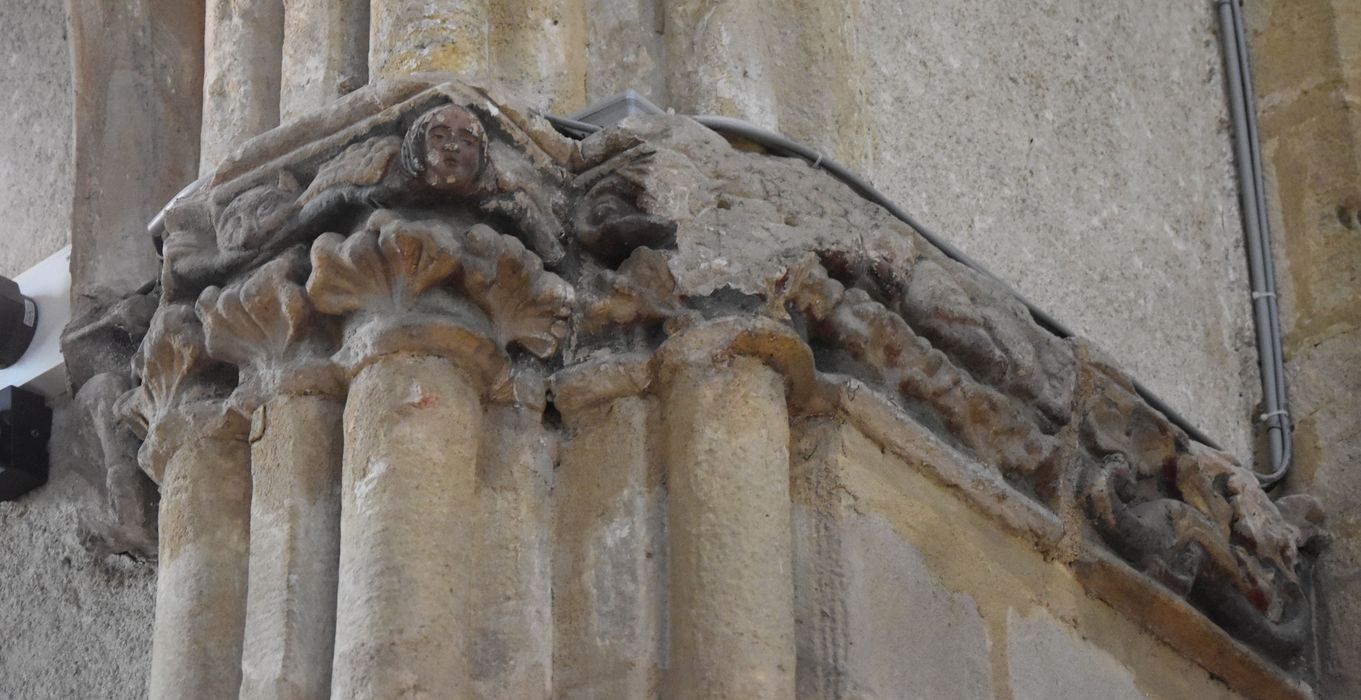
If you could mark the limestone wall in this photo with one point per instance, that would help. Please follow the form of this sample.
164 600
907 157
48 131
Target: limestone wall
968 612
1308 77
35 132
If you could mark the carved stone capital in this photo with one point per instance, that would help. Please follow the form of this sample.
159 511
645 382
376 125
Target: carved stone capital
715 342
182 393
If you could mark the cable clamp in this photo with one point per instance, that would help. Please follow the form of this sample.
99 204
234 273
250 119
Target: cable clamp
818 161
1263 295
1272 414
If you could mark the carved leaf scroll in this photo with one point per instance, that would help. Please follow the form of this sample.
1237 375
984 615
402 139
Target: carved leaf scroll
259 320
382 269
266 325
172 354
528 306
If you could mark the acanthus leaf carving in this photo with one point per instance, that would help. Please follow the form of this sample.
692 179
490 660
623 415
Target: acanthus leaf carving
181 392
384 268
528 306
266 325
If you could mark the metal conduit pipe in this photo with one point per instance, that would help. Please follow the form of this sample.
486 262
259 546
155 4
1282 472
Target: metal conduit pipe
781 144
1261 269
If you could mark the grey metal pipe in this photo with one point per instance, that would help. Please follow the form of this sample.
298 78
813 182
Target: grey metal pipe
1261 270
1279 413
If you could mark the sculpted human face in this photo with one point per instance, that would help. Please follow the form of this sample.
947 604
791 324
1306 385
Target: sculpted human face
254 216
453 150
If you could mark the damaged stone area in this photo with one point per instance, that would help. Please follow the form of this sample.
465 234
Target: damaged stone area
425 263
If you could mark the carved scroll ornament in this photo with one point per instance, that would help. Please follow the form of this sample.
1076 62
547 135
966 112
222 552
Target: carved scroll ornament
441 219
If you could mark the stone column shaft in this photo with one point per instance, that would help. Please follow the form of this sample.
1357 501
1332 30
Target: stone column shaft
243 44
609 553
538 49
729 529
409 36
408 506
512 651
201 584
716 56
294 549
325 53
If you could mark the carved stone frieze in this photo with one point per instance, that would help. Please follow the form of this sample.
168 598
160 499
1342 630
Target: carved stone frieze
425 218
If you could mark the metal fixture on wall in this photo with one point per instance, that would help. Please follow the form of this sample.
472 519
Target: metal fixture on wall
1261 270
25 426
18 322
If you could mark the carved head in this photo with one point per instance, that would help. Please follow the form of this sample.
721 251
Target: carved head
256 214
446 148
610 223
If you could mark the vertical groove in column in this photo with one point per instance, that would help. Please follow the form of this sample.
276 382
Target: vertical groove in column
325 53
718 60
538 51
408 495
625 48
512 593
729 530
410 36
820 570
243 51
201 581
294 549
609 553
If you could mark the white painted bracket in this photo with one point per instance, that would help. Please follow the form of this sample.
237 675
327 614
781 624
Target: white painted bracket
42 368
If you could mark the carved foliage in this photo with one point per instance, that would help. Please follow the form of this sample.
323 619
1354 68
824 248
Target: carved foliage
265 324
986 422
382 269
528 307
173 355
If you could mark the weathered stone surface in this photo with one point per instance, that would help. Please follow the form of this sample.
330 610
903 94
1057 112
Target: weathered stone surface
409 36
242 46
408 498
325 53
1049 660
512 596
1305 58
609 555
711 71
729 527
465 250
138 71
294 549
120 501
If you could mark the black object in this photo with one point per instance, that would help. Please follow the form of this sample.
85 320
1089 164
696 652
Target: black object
18 321
25 426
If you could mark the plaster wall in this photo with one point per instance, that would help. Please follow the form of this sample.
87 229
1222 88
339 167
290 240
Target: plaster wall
74 625
35 132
